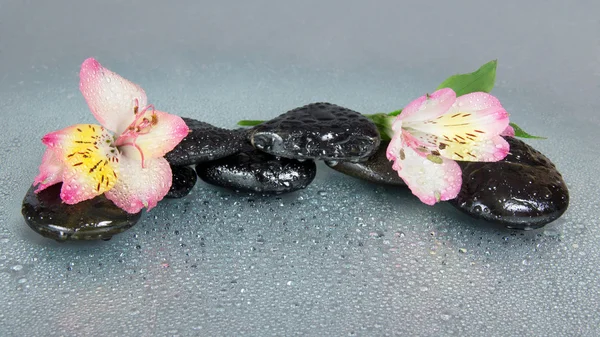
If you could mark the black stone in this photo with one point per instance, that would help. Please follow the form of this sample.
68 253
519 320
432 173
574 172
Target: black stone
256 171
318 131
377 169
523 191
184 179
94 219
206 142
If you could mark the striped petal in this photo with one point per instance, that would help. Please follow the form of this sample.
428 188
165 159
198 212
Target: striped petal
140 187
474 117
485 150
431 181
488 150
112 99
88 161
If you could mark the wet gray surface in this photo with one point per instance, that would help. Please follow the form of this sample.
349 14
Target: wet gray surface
342 257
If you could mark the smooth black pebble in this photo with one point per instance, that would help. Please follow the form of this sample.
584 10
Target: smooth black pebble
377 169
256 171
206 142
184 179
318 131
523 191
94 219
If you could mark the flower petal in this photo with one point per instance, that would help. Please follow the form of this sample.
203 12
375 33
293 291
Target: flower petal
111 98
476 101
485 150
154 135
51 171
428 106
87 159
476 119
139 187
508 132
429 181
395 146
488 150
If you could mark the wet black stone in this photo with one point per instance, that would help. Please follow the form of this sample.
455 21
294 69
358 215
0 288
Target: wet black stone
256 171
184 179
95 219
377 169
523 191
206 142
318 131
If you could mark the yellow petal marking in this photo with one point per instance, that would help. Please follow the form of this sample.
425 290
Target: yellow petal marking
90 153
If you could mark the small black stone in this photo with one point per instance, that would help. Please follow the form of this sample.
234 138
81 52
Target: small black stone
184 179
377 169
318 131
256 171
523 191
206 142
94 219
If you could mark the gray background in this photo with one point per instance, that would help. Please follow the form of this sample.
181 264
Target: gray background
342 257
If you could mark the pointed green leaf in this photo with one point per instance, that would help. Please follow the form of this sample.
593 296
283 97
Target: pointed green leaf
522 134
395 113
249 122
480 80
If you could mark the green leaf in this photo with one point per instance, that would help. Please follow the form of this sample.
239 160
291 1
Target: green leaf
395 113
480 80
249 122
383 123
522 134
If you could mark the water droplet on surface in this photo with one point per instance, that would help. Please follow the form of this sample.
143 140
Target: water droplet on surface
551 232
399 234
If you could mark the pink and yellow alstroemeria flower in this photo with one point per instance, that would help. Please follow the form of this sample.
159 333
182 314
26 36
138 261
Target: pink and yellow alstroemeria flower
126 165
435 130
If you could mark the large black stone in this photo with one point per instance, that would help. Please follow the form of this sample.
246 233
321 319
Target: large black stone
184 179
253 170
318 131
206 142
377 169
523 191
94 219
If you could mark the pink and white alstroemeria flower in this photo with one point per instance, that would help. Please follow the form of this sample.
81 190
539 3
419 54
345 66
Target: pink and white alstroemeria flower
435 130
127 165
